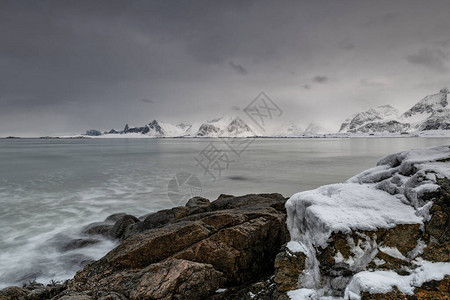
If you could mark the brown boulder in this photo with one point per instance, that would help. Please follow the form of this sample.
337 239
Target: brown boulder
436 251
156 220
404 237
256 200
288 267
177 279
121 225
198 205
239 243
243 250
12 293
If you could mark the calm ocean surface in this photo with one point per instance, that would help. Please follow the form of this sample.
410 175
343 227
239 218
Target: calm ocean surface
50 189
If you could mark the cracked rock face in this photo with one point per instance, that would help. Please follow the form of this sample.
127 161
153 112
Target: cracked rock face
186 252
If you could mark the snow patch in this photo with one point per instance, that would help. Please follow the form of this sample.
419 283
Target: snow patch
392 251
296 247
381 282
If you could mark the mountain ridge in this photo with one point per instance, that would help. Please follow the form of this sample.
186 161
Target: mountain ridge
430 113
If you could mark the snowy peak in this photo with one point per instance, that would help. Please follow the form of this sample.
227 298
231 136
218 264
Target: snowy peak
387 112
238 127
428 105
225 126
380 113
430 113
160 129
155 128
208 130
314 128
218 127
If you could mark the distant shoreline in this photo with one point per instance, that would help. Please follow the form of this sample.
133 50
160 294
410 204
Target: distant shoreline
431 134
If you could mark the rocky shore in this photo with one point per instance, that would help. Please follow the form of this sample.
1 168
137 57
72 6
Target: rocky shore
384 234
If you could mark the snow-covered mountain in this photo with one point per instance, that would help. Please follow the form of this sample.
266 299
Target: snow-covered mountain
314 128
218 127
228 126
430 113
225 127
155 129
378 114
291 129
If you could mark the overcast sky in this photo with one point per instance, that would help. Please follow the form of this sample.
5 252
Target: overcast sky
67 66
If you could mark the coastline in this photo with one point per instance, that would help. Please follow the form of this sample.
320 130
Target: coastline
232 247
424 134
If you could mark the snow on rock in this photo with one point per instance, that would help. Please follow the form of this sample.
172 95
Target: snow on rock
377 220
296 247
345 207
382 282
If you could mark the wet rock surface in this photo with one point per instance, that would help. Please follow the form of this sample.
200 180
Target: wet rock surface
181 253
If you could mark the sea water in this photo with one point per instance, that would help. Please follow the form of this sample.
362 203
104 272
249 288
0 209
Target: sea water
51 188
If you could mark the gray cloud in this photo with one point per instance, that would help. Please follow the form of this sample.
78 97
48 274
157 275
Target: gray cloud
320 79
238 68
66 66
383 19
434 59
371 83
147 101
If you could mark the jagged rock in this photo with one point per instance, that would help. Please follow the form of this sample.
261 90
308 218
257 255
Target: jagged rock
265 289
97 228
77 244
114 217
198 204
228 202
103 228
121 225
288 267
13 292
32 291
156 220
247 246
240 244
177 279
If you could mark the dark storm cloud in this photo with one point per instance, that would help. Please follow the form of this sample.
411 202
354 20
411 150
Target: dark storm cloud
320 79
434 59
238 68
147 101
70 65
